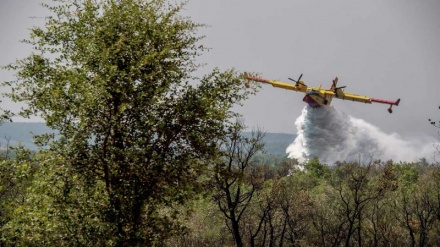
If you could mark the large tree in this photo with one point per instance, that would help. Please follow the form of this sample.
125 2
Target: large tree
114 78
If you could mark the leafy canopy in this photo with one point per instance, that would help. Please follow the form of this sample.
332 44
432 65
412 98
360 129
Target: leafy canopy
114 78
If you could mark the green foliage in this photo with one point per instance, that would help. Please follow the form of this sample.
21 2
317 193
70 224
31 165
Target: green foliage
16 175
140 137
58 208
380 204
316 169
204 225
409 174
113 78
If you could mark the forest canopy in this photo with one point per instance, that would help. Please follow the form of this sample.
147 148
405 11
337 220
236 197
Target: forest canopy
147 154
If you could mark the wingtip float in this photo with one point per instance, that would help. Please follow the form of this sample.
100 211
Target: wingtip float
317 96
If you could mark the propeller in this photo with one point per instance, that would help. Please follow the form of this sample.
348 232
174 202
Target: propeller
335 81
335 89
297 81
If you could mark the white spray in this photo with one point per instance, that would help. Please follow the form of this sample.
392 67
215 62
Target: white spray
333 136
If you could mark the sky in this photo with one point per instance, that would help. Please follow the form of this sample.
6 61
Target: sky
381 49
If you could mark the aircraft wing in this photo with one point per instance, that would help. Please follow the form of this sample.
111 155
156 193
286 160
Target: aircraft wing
300 87
353 97
365 99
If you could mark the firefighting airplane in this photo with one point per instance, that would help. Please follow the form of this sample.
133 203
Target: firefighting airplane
317 96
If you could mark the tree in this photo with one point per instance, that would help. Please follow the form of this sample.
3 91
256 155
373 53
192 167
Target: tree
286 211
234 178
113 77
357 187
418 204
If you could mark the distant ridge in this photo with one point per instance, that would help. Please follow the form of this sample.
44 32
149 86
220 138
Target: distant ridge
276 143
22 132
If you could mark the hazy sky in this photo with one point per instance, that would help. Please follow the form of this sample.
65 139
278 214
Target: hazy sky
382 49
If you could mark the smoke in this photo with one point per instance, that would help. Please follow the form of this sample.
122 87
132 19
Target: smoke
333 136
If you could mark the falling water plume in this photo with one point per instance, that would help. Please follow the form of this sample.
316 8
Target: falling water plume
332 136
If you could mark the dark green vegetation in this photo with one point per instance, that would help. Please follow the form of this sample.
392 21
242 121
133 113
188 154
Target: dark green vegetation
148 155
378 204
244 201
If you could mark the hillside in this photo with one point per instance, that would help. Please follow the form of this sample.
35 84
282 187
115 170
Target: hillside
276 143
21 132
